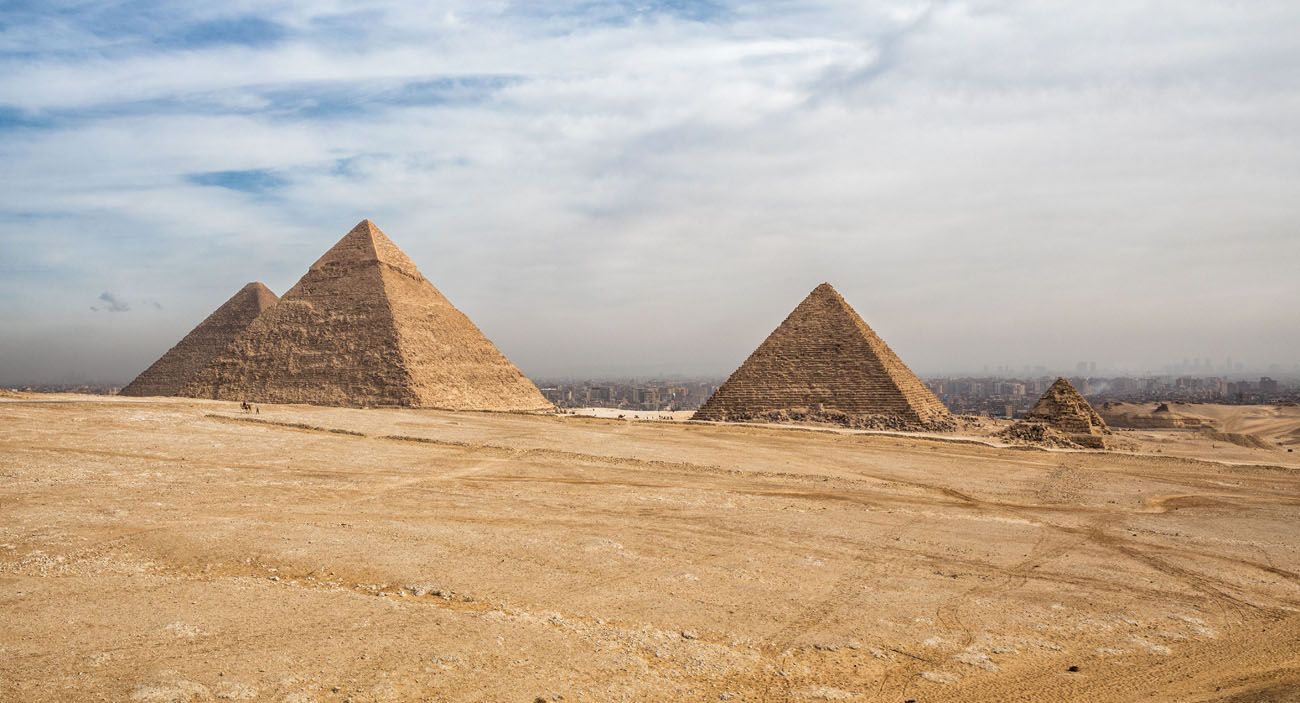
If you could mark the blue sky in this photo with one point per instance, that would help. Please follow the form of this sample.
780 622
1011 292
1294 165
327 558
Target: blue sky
649 187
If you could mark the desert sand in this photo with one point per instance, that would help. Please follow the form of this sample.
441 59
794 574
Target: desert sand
180 550
1241 433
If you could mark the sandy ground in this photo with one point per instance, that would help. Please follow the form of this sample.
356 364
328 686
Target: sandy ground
1239 433
174 550
618 413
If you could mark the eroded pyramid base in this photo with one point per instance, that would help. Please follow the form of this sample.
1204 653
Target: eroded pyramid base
1041 434
838 418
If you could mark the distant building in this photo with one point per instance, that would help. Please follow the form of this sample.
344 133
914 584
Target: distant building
646 398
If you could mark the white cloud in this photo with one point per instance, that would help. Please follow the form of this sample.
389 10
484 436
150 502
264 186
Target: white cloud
988 183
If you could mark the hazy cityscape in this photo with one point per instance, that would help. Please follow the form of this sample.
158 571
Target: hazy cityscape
987 395
1000 394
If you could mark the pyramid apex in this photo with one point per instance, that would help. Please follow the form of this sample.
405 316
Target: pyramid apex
264 296
366 243
366 229
825 294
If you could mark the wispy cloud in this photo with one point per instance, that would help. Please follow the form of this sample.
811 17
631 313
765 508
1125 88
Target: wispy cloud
248 181
112 303
244 30
989 182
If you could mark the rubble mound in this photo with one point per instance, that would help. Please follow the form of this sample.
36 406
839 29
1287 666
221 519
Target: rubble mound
976 423
824 364
185 361
848 420
1038 434
363 327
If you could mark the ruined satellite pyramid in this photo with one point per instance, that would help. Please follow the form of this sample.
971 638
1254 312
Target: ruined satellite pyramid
197 349
361 328
823 363
1064 409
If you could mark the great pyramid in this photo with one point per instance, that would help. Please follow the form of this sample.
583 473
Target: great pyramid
1064 409
197 349
364 328
823 363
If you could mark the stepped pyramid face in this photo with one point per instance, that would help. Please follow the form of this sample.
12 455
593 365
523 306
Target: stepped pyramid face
363 327
191 355
1063 408
824 360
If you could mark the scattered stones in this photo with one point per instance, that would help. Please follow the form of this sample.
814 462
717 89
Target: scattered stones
429 590
1197 626
1037 433
182 630
170 692
446 661
824 693
979 660
235 691
1150 646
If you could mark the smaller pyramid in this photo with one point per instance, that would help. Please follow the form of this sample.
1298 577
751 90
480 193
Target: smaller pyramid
824 364
183 362
1064 409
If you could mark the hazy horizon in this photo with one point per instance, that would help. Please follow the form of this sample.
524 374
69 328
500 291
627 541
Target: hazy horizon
650 188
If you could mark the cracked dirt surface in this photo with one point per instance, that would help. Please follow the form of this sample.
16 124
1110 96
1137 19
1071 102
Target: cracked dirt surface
178 550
